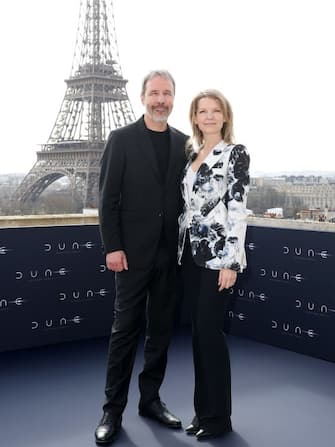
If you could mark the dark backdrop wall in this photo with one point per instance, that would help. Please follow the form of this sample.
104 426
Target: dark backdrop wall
55 288
286 296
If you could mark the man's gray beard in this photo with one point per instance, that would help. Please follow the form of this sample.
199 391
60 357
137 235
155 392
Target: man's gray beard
158 119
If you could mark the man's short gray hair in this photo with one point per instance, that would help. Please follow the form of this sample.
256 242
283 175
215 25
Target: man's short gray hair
153 74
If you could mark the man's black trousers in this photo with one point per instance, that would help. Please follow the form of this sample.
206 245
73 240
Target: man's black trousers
148 293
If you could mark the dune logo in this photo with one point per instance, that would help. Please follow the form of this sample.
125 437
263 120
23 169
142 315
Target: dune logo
40 274
67 246
248 294
77 295
306 252
280 276
56 323
291 329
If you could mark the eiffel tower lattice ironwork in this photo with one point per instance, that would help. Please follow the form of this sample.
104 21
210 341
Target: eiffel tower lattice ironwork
96 101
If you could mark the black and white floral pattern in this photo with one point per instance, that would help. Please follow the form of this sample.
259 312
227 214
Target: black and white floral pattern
215 211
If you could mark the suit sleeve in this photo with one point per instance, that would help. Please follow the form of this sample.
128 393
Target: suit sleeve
236 203
110 183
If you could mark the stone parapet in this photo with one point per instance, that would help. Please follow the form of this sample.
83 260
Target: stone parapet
47 220
291 224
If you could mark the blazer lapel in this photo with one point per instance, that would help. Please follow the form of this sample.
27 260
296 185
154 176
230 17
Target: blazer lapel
173 156
217 153
184 189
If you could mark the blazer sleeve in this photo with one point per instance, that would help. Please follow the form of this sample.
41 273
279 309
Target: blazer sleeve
110 182
236 203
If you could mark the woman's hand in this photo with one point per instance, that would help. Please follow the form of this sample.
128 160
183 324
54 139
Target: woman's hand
227 279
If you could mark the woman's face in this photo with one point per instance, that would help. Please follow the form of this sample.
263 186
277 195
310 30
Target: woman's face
209 116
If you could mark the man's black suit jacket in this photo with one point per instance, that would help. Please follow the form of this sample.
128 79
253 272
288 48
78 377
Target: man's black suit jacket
135 203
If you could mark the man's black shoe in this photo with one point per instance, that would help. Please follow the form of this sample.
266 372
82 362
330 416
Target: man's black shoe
108 429
193 428
204 434
157 410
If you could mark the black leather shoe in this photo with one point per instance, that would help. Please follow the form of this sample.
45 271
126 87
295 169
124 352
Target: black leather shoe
193 428
108 429
157 410
204 434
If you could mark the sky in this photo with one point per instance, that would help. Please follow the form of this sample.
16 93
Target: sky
273 59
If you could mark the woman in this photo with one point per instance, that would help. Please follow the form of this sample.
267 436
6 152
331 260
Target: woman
211 251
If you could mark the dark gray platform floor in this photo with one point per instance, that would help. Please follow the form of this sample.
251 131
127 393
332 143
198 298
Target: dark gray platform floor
51 397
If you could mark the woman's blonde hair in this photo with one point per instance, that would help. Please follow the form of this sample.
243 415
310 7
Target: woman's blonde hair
227 128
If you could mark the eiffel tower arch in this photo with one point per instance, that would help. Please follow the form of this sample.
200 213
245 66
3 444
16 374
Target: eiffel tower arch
95 102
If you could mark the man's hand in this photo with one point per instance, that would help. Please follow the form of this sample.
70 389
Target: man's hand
117 261
226 279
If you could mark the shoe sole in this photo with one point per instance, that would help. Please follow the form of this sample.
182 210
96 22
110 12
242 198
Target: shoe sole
106 442
191 433
213 435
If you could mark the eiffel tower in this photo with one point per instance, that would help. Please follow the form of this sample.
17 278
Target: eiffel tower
95 102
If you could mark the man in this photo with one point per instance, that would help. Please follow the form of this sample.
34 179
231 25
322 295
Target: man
139 207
